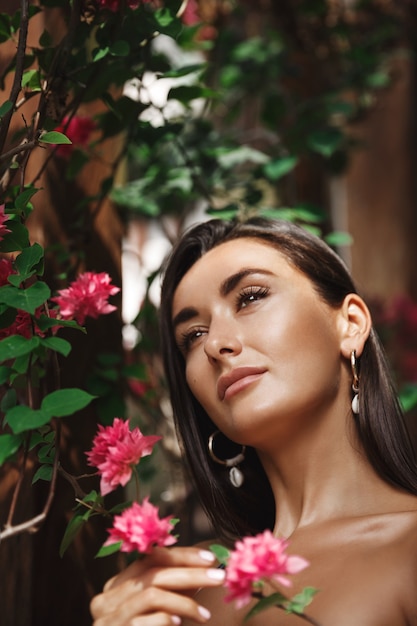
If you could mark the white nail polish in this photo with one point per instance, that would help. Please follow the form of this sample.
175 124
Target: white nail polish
216 574
204 612
207 556
176 620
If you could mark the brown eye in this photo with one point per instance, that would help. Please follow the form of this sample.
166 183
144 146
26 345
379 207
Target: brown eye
190 337
249 295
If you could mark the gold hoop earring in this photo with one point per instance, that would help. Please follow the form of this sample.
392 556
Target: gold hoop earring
355 382
236 477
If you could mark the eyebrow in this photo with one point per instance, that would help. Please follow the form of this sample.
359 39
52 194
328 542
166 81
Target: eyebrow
227 285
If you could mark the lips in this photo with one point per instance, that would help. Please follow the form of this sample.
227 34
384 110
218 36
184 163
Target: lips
237 379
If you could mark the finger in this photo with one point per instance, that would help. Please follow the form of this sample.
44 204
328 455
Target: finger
152 600
157 619
172 557
173 578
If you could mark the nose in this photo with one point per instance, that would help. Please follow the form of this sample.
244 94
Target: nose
222 340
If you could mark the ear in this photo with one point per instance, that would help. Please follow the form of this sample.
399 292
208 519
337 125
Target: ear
356 324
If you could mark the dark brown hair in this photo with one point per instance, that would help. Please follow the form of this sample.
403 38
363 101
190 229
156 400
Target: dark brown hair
381 427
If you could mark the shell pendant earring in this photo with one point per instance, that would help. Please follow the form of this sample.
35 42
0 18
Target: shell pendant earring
355 382
236 476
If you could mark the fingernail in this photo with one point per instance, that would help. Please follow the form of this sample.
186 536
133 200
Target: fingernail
176 619
204 612
207 556
216 574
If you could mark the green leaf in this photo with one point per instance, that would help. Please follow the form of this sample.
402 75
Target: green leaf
73 528
107 550
65 402
28 262
163 17
26 299
338 238
186 93
408 397
5 108
377 80
45 40
228 213
275 599
44 322
221 553
16 346
24 197
277 168
298 603
326 141
17 239
31 79
8 400
44 472
100 53
185 70
9 445
21 364
22 418
4 374
57 344
119 49
54 137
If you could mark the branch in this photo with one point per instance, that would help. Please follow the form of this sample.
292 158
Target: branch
17 82
32 525
18 485
23 147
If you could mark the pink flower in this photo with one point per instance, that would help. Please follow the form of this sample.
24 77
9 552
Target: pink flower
256 558
140 528
78 130
6 268
191 16
3 219
25 326
191 13
115 452
86 296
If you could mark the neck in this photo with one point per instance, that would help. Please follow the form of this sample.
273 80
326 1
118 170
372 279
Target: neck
322 475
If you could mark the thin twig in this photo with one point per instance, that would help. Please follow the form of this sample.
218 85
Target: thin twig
79 493
17 82
32 525
23 147
18 486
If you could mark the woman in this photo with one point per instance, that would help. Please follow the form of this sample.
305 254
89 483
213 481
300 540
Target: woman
278 379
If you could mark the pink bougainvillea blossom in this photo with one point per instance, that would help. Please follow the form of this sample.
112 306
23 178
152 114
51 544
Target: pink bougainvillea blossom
26 326
6 268
115 452
191 16
78 129
140 528
21 325
256 558
86 297
3 219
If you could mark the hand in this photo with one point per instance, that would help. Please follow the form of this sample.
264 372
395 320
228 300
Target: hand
157 590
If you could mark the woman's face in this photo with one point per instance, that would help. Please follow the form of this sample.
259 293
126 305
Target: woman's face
260 346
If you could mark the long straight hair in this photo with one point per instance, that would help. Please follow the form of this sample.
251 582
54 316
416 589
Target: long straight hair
380 424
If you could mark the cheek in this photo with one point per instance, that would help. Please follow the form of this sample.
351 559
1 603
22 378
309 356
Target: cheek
202 385
194 376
